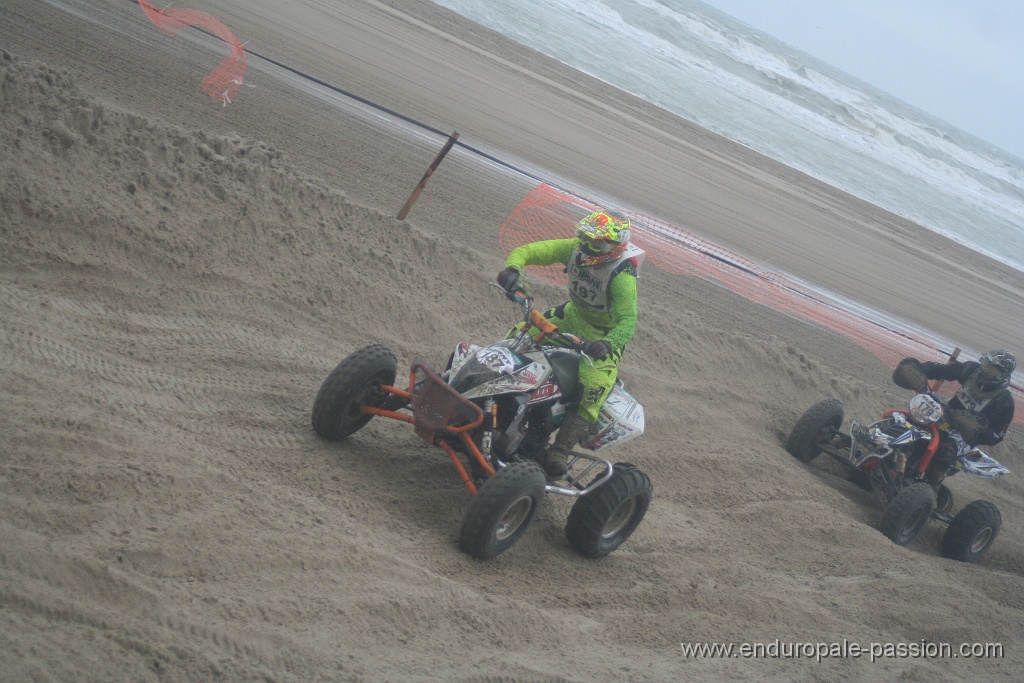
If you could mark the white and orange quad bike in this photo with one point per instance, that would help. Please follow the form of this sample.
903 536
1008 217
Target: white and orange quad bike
890 458
493 411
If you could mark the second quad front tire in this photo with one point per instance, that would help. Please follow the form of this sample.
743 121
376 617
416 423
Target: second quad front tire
355 382
502 509
602 520
908 513
814 429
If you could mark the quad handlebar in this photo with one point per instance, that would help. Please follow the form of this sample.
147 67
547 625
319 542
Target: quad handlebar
545 328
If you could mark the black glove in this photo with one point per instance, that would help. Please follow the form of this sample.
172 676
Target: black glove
509 281
598 349
909 374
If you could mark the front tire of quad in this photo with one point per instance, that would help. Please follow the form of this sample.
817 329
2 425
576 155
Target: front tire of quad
814 429
355 382
502 509
602 520
972 532
908 513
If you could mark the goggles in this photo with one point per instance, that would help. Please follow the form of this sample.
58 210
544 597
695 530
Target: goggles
595 246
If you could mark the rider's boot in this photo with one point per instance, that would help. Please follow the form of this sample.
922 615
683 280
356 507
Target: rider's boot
569 434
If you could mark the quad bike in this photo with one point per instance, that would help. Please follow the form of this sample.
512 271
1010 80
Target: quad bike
890 457
495 407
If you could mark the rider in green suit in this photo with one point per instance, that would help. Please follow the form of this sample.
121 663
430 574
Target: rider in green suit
603 266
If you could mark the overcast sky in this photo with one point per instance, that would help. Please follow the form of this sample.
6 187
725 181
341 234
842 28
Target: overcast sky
961 61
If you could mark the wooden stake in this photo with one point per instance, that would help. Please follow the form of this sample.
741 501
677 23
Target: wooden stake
426 176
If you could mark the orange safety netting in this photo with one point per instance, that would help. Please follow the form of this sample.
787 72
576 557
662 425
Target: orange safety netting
223 82
547 213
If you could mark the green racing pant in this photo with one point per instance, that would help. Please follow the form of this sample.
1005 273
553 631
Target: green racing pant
597 379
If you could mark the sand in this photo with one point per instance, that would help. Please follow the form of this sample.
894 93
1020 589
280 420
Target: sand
178 277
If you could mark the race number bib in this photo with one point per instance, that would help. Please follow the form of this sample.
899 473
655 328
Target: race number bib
970 402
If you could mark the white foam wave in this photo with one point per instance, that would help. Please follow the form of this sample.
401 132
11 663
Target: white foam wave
687 58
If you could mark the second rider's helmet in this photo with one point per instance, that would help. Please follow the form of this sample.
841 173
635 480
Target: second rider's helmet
994 373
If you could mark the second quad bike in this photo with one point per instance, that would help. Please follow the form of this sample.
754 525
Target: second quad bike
890 458
492 410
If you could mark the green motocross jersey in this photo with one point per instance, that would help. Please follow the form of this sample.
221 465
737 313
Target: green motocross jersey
603 295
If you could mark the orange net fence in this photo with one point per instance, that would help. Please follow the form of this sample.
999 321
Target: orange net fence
222 83
548 213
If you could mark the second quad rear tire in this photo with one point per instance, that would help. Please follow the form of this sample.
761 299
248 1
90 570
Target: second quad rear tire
355 382
908 513
602 520
972 532
502 509
815 429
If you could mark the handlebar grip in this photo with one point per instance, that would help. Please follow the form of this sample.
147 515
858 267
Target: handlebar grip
573 338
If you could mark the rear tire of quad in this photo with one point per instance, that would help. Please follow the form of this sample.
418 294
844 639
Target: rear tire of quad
602 520
502 509
355 382
814 429
908 513
972 532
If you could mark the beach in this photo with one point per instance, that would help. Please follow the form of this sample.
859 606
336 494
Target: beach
178 275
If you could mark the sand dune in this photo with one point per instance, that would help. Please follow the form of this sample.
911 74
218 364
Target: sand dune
177 278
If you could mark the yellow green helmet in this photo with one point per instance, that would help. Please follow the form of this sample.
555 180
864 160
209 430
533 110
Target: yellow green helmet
603 231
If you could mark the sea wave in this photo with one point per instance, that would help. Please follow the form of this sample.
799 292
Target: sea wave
698 63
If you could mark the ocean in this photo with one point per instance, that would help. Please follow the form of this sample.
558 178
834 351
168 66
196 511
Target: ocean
707 67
